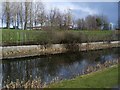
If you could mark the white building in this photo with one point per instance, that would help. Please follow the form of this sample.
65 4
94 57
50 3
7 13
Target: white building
111 26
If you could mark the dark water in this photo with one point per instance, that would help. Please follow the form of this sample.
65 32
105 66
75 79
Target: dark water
64 66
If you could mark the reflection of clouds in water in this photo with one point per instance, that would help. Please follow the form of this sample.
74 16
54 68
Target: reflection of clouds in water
73 69
84 63
108 58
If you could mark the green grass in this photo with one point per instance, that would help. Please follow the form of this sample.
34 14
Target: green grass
0 36
16 37
106 78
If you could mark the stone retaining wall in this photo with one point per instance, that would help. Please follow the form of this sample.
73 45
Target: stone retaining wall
33 50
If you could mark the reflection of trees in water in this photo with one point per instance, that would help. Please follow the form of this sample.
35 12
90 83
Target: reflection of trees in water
0 74
14 70
50 65
97 54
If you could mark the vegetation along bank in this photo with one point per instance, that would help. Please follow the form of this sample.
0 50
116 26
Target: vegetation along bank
34 50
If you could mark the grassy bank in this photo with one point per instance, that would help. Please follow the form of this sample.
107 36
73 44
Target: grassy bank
20 37
106 78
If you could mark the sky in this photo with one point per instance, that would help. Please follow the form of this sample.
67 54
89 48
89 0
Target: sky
62 0
81 9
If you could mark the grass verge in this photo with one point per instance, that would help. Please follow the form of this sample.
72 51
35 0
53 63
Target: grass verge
106 78
30 37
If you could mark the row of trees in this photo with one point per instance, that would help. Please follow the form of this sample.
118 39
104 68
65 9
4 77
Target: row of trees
93 22
22 14
32 14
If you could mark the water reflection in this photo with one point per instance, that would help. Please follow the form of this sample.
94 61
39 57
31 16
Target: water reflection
0 74
63 66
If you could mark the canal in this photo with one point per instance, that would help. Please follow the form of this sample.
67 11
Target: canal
60 66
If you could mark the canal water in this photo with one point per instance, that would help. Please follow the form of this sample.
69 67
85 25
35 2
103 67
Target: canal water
62 66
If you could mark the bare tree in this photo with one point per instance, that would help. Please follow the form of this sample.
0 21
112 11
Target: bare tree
15 14
20 14
91 22
6 13
41 15
36 11
81 24
105 22
67 19
59 19
96 22
30 15
52 17
27 5
2 14
56 18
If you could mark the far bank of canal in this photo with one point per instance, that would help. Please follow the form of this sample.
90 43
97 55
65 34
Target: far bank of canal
36 50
